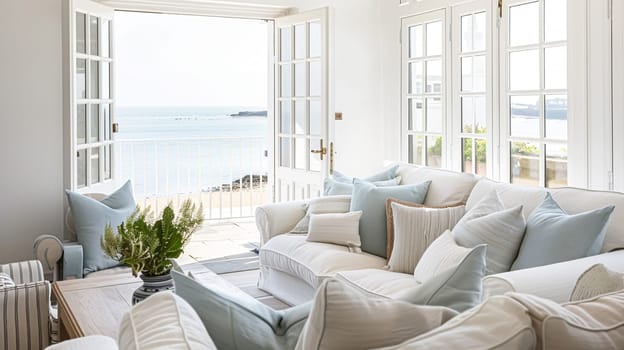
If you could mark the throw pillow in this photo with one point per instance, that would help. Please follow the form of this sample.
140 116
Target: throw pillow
237 320
458 287
414 230
441 255
597 280
91 217
322 205
554 236
499 323
385 174
343 317
6 280
341 229
161 322
332 187
589 324
488 222
371 200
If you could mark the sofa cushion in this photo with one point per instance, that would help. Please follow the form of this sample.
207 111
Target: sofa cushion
447 187
441 255
322 205
345 318
90 342
6 280
554 236
163 321
332 187
381 282
498 323
488 222
415 229
311 261
388 173
597 280
336 228
511 195
371 200
588 324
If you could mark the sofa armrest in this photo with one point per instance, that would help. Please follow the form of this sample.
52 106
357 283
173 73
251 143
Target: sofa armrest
72 260
28 321
554 282
278 218
24 271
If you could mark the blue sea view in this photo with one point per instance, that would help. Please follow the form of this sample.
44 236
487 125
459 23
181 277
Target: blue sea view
186 149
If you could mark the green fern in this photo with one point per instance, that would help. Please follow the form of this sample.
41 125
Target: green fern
147 245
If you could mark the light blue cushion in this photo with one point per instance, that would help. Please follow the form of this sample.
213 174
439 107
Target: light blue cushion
332 187
458 288
91 217
385 174
371 200
238 321
554 236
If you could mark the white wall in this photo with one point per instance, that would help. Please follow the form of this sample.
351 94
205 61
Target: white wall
31 157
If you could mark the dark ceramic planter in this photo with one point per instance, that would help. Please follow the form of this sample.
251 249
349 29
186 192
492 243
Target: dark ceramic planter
152 285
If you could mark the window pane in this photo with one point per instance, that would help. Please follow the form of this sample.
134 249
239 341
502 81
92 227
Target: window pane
315 39
555 14
466 33
95 165
94 22
481 155
434 114
467 104
285 117
434 76
556 113
416 41
415 114
81 124
301 153
415 149
81 32
478 75
315 117
301 120
525 116
94 135
524 70
434 38
415 78
81 168
107 163
285 43
556 67
105 80
479 23
434 151
105 38
524 24
315 159
286 82
556 165
315 78
467 155
525 163
284 152
480 115
94 77
107 122
300 79
300 41
81 78
466 73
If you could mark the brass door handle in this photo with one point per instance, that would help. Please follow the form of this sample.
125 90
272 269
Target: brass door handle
322 151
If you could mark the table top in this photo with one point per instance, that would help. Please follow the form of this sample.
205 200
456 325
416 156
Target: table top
94 306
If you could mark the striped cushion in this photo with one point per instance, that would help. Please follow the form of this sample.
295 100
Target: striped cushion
24 314
24 272
6 281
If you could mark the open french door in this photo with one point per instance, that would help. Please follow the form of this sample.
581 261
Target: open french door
89 104
303 152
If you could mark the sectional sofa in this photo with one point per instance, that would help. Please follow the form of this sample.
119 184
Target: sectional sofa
293 268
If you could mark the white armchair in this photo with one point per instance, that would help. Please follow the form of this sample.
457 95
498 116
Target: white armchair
25 310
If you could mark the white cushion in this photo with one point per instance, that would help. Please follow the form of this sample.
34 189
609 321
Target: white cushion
380 282
338 228
443 254
415 229
322 205
312 261
446 188
498 323
597 280
345 318
92 342
510 195
163 321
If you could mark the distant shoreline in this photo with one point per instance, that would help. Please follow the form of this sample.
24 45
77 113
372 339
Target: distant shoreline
250 114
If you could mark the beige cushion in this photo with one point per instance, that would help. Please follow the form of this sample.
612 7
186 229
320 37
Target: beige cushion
597 280
589 324
380 282
345 318
322 205
498 323
415 229
338 228
163 321
312 261
443 254
446 188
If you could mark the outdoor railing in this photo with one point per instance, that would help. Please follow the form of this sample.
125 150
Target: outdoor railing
228 175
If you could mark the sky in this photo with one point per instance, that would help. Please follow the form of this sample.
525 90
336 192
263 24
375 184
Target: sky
173 60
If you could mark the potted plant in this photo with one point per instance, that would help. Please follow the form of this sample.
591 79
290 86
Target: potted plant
147 245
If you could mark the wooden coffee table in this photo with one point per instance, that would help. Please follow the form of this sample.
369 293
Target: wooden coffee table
93 306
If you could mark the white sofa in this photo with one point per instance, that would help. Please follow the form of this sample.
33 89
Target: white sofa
292 268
